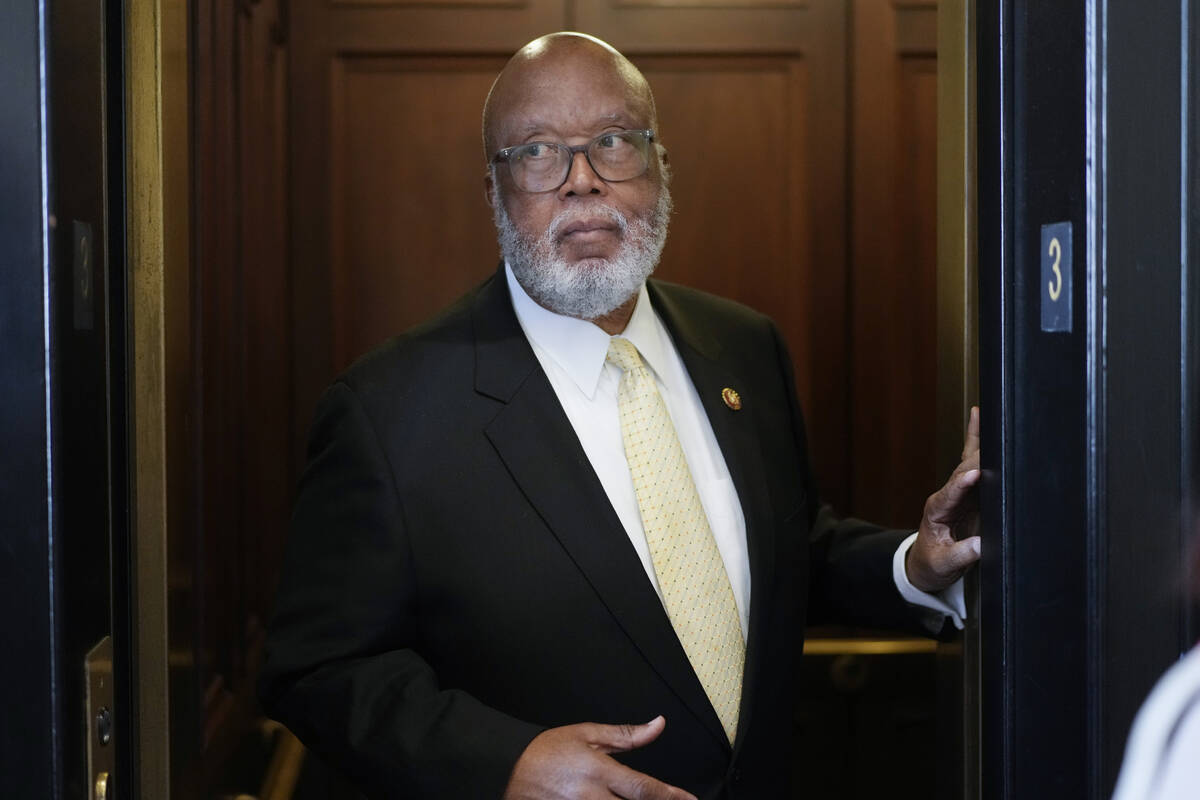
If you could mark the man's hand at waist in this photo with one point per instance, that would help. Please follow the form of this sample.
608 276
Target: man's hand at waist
574 762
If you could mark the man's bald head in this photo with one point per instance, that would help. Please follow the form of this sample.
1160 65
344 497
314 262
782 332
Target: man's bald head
556 67
584 248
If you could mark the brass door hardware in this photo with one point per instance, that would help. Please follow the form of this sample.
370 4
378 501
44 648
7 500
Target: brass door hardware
98 718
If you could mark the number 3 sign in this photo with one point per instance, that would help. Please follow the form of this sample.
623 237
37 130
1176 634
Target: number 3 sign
1056 277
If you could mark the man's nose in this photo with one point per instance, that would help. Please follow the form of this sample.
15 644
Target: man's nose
582 179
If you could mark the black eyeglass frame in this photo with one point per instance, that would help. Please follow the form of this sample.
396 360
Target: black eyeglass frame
502 157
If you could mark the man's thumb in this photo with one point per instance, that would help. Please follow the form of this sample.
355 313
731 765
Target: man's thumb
619 738
963 554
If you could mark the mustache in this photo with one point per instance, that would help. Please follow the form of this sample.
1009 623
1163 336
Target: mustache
571 215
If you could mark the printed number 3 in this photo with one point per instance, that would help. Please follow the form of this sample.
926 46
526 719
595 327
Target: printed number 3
1055 286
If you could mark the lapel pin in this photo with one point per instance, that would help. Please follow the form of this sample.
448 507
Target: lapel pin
731 398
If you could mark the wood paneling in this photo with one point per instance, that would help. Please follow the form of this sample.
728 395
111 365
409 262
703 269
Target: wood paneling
265 405
722 167
724 4
892 270
716 26
227 538
450 4
410 227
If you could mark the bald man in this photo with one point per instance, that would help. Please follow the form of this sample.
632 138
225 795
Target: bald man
562 540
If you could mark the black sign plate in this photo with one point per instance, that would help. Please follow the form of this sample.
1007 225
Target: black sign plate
1056 277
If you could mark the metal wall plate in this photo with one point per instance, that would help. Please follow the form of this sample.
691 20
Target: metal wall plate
98 722
1058 268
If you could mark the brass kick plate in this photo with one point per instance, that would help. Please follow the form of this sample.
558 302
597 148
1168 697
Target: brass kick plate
98 674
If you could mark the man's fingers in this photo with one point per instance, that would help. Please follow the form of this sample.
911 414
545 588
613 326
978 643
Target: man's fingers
620 738
934 566
573 761
944 504
971 442
623 781
633 785
969 463
937 560
962 555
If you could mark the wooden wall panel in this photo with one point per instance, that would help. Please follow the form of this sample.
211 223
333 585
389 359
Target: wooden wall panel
724 168
432 26
446 4
712 26
892 269
266 499
411 230
229 522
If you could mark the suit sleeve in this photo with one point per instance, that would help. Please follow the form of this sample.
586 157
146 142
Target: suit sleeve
343 669
850 561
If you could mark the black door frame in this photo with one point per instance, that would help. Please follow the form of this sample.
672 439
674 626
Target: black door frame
63 365
29 740
1089 439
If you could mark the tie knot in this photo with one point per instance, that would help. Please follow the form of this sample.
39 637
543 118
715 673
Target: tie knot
623 355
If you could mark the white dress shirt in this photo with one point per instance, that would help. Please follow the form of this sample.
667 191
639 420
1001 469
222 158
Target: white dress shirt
1160 756
573 352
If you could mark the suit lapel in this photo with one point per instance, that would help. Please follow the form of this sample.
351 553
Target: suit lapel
534 438
737 436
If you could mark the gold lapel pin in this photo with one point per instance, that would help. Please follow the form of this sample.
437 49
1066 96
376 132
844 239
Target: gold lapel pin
731 398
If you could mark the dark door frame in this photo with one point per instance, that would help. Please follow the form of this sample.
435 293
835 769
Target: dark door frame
1090 443
29 740
63 446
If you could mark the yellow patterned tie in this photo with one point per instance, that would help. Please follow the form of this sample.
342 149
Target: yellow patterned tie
690 571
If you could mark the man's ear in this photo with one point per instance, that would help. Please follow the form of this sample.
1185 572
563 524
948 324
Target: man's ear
488 184
664 161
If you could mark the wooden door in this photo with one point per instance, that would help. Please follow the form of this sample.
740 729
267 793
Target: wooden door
891 271
228 344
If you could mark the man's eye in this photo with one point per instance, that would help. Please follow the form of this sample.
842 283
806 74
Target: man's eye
609 140
538 152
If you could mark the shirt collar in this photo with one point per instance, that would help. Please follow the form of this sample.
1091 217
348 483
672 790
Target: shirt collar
580 347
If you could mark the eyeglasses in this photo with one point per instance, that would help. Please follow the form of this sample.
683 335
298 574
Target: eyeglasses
544 166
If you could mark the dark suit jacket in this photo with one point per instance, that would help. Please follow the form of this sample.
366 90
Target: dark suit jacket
456 579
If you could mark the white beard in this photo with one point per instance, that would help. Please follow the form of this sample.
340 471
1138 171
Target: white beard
589 288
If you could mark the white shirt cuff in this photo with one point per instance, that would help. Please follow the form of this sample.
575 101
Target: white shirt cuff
947 603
